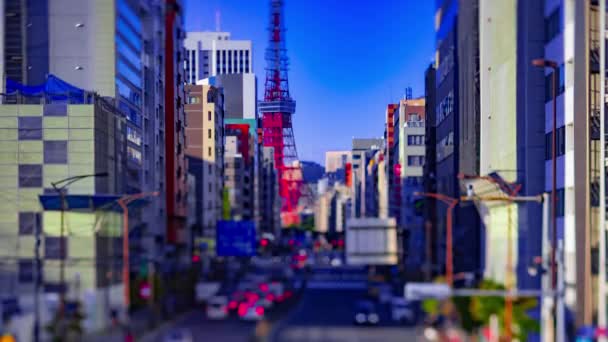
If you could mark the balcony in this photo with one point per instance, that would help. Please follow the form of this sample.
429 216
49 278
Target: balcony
418 123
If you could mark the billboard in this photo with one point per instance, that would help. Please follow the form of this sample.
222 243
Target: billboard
235 238
371 241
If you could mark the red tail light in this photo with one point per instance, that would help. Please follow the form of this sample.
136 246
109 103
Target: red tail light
232 305
259 310
287 294
264 287
270 297
242 310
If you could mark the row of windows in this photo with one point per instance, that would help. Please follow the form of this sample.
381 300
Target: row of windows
415 140
553 25
128 53
415 160
128 73
128 93
134 155
54 152
128 33
561 143
131 113
561 83
134 136
130 15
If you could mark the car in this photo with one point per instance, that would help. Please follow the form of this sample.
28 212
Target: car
178 335
251 311
366 313
217 307
403 311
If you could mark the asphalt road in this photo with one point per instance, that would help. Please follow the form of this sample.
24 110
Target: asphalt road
204 330
325 313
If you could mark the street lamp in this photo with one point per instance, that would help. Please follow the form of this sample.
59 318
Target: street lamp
451 203
545 63
60 187
124 202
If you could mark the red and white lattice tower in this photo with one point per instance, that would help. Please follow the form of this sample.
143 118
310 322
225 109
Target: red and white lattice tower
277 110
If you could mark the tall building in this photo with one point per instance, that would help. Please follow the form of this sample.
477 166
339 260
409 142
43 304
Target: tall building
511 135
432 233
205 153
129 50
573 40
239 171
448 119
270 202
214 53
336 160
360 155
44 143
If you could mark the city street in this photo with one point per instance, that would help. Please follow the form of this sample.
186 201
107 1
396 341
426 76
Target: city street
326 312
202 329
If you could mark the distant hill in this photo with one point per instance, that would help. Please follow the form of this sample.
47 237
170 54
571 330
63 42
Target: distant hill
312 171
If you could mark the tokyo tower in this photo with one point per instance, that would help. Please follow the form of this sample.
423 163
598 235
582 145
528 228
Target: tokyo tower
277 110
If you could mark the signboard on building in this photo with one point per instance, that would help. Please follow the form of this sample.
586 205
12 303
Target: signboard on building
371 241
235 238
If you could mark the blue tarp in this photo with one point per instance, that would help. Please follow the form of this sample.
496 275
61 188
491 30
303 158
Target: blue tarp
54 87
75 202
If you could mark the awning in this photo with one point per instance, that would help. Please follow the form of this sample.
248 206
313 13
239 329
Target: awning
79 202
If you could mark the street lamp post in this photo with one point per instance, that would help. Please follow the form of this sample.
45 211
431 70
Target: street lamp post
545 63
124 202
451 203
60 187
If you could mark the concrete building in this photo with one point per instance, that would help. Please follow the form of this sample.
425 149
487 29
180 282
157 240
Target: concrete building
511 139
447 129
45 143
239 171
205 152
360 149
573 41
336 160
214 53
270 202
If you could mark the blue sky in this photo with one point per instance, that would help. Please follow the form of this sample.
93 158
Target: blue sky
348 60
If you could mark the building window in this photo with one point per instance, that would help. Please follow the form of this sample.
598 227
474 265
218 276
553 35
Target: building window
54 246
55 152
30 176
561 83
210 188
210 169
28 223
209 133
194 99
26 270
415 140
210 153
553 25
30 128
415 160
209 116
561 143
561 198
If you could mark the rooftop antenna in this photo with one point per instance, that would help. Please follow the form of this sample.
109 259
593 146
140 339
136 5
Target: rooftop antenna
408 93
218 21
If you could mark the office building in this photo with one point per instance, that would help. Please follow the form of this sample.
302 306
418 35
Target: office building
214 53
336 160
239 171
205 153
511 134
270 202
360 148
44 143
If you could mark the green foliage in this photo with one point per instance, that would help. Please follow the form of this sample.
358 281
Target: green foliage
225 205
475 312
308 223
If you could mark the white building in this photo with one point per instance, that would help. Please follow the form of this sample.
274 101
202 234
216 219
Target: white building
214 53
335 160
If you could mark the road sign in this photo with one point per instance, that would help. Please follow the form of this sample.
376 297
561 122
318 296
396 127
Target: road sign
420 291
236 238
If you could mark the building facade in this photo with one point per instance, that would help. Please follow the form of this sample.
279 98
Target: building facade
205 152
214 53
45 143
360 157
